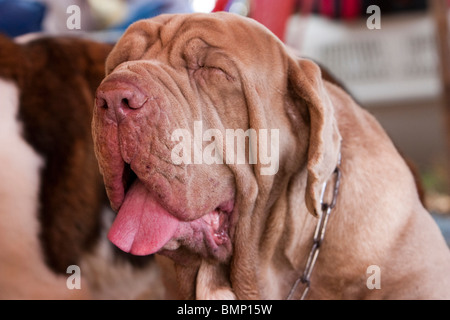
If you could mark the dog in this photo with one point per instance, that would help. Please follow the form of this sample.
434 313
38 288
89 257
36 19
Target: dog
54 213
232 220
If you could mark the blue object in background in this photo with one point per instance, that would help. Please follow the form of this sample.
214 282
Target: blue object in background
19 17
443 222
143 9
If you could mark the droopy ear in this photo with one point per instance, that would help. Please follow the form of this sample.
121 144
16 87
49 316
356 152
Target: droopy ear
306 83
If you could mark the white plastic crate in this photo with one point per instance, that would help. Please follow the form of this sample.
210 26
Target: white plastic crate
397 62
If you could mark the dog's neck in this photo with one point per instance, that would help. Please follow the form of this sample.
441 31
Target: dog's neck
283 249
294 263
303 283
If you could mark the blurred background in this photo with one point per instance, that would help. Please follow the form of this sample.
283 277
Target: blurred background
399 71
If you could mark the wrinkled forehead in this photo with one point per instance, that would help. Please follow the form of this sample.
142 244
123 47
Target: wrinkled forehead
169 36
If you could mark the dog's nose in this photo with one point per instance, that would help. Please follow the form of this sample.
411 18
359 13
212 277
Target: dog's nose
119 99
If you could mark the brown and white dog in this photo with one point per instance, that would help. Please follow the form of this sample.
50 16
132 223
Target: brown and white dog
233 230
53 212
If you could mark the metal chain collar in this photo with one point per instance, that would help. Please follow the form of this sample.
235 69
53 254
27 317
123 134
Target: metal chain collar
319 234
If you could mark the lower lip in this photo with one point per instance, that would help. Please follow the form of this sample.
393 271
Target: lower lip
220 238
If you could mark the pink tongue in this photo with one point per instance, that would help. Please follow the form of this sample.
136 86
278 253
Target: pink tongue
142 226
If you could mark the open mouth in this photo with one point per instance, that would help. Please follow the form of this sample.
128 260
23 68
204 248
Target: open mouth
145 226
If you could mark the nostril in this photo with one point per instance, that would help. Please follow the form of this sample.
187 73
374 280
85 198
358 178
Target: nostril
133 101
126 103
101 103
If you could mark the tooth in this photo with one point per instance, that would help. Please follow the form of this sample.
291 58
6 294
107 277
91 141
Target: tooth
215 220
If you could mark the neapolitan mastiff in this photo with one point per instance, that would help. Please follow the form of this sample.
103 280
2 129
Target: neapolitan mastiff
177 88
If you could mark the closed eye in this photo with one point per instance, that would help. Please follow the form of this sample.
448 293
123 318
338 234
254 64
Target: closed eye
217 71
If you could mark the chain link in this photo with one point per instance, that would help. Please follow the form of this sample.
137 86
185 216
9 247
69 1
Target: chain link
319 235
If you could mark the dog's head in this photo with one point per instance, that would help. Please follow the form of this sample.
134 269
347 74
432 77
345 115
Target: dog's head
198 127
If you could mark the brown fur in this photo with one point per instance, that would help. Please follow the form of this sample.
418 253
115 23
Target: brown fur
57 78
61 116
329 77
